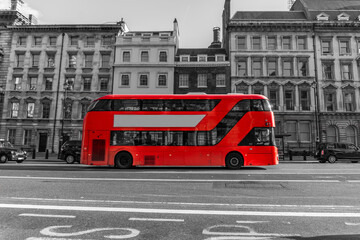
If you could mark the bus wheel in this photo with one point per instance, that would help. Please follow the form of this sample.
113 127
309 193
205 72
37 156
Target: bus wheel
123 160
234 160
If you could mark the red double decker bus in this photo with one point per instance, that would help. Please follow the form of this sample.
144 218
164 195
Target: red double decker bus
231 130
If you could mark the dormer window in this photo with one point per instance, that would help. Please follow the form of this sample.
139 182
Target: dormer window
220 58
184 58
322 17
164 34
202 58
343 17
146 35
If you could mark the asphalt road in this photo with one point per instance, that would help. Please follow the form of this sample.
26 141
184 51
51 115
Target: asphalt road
49 201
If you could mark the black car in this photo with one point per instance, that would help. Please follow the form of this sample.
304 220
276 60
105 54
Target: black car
9 153
332 151
70 151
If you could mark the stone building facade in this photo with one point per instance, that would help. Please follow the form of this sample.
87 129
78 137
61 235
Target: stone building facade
54 72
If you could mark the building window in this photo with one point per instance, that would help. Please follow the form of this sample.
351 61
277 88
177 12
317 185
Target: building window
48 83
258 89
89 60
107 40
84 107
50 60
330 101
126 56
202 81
349 101
46 109
351 134
30 110
144 56
289 99
287 68
20 58
72 60
328 70
87 83
27 137
69 83
202 58
35 59
11 136
271 43
242 88
183 80
162 80
220 58
301 43
15 109
74 40
68 109
242 68
220 80
18 81
346 71
104 82
163 56
286 43
33 83
304 131
37 41
256 43
125 80
52 41
344 47
241 42
305 99
302 67
90 41
291 129
331 134
274 98
256 67
326 47
105 60
22 41
184 58
272 67
143 80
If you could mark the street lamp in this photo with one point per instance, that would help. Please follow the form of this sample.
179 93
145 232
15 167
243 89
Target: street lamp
68 85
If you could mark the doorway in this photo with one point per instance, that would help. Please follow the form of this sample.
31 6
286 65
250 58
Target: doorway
43 138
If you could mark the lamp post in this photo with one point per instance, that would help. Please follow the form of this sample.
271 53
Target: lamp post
67 86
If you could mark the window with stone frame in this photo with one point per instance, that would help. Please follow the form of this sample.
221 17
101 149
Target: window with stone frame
27 137
271 66
50 60
126 56
286 42
289 97
304 92
72 60
303 67
287 67
68 108
301 43
304 131
273 96
89 60
242 68
22 40
90 41
15 109
256 43
271 43
104 83
258 88
241 42
69 83
256 67
326 47
330 99
35 59
33 80
220 80
183 80
20 60
144 80
84 106
349 99
344 45
144 56
291 128
49 83
332 134
163 56
52 40
351 136
125 80
18 82
202 58
107 40
105 60
202 80
346 70
162 80
242 87
46 109
37 41
11 135
328 70
74 40
86 83
30 108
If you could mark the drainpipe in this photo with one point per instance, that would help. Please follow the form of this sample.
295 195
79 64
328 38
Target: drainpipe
57 92
317 97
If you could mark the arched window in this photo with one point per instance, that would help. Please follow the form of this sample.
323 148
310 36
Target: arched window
332 134
351 134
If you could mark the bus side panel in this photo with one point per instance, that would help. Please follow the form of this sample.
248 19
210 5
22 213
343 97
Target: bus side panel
260 155
98 148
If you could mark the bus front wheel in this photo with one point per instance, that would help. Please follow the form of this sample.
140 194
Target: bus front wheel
234 160
123 160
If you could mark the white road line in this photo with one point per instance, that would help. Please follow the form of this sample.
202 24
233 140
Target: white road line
352 224
250 222
353 181
188 203
157 219
165 180
46 215
179 211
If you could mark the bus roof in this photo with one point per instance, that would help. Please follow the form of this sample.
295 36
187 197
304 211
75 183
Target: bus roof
184 96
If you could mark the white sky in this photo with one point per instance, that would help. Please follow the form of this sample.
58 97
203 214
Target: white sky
196 18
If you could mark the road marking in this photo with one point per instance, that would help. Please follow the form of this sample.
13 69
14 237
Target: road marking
353 181
164 180
45 215
189 203
184 211
251 222
352 224
157 219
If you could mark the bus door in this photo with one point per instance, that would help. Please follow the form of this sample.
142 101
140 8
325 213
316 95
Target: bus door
98 147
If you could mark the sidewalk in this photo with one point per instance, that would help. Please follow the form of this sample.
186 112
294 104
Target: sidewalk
299 159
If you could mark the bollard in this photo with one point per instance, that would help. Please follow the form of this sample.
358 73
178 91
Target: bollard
33 154
290 155
304 155
47 154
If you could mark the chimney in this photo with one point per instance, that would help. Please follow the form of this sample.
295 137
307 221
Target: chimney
216 39
16 5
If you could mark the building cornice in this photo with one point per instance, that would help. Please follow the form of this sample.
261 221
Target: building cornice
202 64
66 28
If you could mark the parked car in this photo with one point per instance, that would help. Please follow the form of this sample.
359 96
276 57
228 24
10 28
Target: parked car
70 151
9 153
332 151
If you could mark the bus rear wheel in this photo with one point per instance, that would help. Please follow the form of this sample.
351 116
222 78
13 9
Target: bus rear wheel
234 160
123 160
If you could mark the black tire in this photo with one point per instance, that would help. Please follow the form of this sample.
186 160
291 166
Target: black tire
354 161
70 159
322 161
331 159
19 161
4 158
234 160
123 160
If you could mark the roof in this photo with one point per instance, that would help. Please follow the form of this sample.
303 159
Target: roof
353 15
270 15
197 51
331 4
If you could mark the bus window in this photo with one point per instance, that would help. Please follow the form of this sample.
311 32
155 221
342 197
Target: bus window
266 104
257 105
259 137
152 105
102 105
242 106
126 105
174 105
